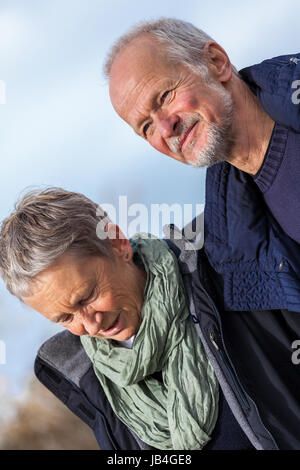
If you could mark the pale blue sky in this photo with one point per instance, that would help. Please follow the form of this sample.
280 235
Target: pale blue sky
58 127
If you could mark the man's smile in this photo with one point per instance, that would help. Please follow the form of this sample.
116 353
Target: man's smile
187 137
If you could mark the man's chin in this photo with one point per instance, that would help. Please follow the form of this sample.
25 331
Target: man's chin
200 164
195 164
205 158
199 161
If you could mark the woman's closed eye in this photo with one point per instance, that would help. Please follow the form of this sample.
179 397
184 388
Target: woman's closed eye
88 298
67 318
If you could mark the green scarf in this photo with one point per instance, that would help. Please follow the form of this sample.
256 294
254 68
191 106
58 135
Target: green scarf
181 412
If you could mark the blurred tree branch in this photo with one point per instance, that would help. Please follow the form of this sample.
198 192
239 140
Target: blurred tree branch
42 422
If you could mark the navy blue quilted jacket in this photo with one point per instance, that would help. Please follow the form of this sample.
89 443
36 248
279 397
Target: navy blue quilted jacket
250 352
259 262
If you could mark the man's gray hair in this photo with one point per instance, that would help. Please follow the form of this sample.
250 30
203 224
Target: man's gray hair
183 42
44 225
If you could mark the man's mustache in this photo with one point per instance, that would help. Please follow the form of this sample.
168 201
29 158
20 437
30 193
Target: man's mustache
175 143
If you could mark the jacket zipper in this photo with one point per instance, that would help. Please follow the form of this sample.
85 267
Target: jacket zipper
237 386
235 380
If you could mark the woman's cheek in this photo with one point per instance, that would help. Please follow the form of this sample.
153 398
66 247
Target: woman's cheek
77 330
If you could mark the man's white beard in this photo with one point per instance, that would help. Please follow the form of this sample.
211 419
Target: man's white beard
218 145
219 142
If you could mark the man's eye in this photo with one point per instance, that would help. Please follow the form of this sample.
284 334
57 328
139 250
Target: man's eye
164 96
145 128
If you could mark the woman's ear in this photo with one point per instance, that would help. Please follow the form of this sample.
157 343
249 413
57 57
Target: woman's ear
119 242
218 61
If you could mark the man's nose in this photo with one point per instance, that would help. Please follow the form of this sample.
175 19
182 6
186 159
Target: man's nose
92 322
168 126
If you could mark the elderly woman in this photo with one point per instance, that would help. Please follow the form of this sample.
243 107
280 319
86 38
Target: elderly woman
111 292
126 300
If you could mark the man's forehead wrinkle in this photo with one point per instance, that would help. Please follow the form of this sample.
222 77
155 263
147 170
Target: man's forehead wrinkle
135 91
127 98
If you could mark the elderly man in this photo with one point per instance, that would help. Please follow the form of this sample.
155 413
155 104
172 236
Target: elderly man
178 90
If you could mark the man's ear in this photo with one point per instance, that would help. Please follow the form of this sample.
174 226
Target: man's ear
218 61
119 243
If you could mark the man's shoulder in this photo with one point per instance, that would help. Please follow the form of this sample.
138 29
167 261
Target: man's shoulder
259 73
276 82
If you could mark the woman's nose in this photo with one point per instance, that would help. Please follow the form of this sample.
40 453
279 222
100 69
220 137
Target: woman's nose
167 126
92 322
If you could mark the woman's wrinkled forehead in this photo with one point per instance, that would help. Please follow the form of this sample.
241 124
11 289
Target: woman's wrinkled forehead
59 287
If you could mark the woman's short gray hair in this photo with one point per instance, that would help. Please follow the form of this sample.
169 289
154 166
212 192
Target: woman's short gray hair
44 225
183 43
